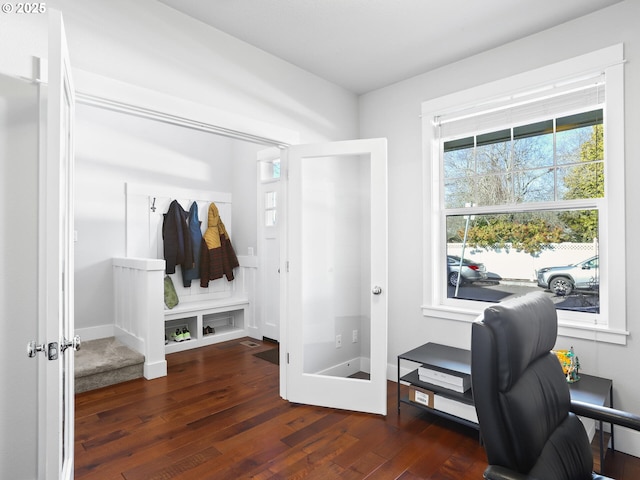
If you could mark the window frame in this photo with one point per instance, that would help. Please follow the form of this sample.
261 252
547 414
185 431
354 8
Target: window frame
610 324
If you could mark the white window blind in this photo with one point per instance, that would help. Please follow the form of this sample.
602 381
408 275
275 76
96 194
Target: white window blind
527 107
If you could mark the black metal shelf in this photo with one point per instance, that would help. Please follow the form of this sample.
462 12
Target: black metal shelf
414 379
444 358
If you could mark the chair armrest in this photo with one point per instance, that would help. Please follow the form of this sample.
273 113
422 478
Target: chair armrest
606 414
496 472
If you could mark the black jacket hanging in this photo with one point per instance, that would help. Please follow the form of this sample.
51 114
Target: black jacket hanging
177 242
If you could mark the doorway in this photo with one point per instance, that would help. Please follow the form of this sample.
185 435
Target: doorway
269 224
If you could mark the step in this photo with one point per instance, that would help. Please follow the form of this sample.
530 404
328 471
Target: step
105 361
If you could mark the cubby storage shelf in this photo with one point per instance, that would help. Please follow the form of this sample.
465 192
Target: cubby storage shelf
226 316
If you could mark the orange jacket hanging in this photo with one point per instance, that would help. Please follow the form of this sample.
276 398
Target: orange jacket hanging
217 257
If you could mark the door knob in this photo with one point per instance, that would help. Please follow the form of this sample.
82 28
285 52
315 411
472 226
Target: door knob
376 290
33 348
74 343
51 349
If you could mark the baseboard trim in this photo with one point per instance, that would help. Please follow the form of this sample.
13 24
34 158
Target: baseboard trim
155 370
94 333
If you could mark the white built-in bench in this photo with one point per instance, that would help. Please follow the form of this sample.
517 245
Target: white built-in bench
142 321
226 316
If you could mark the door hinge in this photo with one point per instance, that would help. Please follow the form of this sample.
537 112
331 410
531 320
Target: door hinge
287 266
287 357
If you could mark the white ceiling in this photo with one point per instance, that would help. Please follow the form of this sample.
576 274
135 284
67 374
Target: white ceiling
363 45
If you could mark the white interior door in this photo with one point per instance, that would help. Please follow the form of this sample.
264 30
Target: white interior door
56 395
335 287
269 206
19 129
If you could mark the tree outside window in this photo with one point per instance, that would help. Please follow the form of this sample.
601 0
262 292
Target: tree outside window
527 182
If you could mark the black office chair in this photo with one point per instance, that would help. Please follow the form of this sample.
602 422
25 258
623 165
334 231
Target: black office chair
527 420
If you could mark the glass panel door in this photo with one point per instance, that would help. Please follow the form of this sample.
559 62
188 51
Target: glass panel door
336 315
336 259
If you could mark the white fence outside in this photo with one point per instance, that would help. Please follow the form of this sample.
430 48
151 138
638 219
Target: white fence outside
513 265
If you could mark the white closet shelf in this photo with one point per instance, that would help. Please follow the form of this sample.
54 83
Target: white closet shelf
225 315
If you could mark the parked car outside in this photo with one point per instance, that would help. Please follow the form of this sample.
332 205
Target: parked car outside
471 271
563 280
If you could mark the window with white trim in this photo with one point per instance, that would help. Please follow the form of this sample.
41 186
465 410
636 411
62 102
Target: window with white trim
524 191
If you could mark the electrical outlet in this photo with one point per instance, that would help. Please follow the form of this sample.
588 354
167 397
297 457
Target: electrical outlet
354 336
338 341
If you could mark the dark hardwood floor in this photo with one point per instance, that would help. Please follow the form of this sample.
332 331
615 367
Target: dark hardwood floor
218 415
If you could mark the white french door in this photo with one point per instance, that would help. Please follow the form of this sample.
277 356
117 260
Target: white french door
335 275
36 121
56 392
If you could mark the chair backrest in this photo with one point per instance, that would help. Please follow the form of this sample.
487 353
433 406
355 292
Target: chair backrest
521 395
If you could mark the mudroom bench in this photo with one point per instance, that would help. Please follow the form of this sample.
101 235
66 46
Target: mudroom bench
207 321
143 323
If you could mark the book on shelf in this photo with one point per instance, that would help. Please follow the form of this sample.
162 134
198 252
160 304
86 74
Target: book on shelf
432 400
456 381
458 409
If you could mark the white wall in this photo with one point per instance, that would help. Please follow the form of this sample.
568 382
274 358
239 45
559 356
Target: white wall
244 179
394 112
